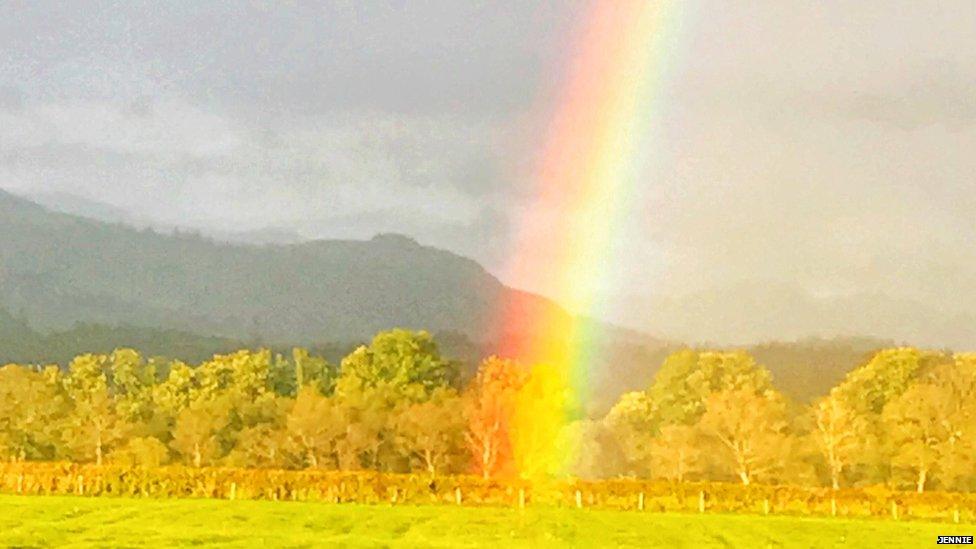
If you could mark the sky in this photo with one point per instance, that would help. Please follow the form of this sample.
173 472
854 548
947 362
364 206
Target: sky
822 149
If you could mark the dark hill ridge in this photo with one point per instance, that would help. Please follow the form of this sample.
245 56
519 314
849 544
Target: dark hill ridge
60 269
79 285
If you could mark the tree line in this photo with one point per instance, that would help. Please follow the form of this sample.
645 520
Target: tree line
906 418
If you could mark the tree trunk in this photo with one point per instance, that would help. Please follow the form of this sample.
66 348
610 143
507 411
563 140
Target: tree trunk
745 477
98 447
920 483
681 466
486 460
835 479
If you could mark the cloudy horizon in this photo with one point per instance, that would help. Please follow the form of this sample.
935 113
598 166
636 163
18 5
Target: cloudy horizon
823 149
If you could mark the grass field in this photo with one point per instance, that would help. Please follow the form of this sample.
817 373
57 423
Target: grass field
39 521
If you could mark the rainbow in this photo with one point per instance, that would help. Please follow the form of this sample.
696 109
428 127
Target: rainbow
588 172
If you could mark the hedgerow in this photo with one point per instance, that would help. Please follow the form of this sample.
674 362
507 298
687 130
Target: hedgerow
369 487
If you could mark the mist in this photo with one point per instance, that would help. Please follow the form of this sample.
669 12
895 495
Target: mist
813 174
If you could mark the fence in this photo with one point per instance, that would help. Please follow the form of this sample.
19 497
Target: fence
368 487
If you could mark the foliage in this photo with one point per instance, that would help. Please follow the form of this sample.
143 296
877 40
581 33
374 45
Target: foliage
394 407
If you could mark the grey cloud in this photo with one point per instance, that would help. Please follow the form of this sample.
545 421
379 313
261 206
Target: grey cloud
824 148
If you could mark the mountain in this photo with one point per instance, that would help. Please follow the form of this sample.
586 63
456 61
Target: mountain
80 206
59 269
80 285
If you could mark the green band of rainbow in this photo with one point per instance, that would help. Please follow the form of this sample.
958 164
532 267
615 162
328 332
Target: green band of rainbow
586 175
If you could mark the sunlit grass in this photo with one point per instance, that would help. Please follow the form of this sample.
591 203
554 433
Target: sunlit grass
39 521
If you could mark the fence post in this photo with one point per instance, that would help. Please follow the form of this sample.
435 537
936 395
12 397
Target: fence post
833 506
233 491
766 506
955 515
457 495
20 483
640 501
894 510
81 485
579 499
701 501
521 501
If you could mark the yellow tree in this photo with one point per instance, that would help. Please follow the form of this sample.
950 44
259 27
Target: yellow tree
431 434
750 429
931 425
839 435
675 452
632 420
540 414
197 429
489 404
32 408
314 425
958 465
95 426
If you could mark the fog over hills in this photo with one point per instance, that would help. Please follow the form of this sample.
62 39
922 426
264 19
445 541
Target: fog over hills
70 285
746 312
99 211
752 312
59 269
802 178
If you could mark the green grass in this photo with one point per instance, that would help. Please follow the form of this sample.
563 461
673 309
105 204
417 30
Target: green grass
39 521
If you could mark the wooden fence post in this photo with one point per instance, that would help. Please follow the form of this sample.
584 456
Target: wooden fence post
640 501
81 485
701 501
457 495
833 506
20 483
521 501
233 491
955 515
894 510
766 506
579 499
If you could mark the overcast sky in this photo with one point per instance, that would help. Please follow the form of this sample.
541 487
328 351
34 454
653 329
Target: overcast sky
827 145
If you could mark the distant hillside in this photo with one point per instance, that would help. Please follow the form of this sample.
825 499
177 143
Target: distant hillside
19 343
59 269
80 285
99 211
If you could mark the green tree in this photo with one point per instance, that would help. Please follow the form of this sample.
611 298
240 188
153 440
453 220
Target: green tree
313 371
687 379
868 389
130 382
405 361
